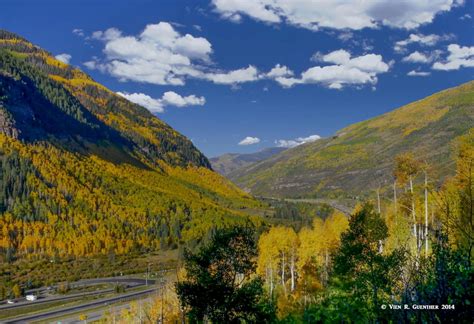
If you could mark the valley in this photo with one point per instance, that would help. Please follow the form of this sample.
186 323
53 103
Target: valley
110 215
358 159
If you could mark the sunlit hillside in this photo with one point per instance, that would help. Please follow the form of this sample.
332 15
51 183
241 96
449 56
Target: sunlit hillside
85 172
359 158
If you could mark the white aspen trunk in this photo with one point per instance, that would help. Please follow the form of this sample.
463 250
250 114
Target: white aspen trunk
413 208
426 213
283 271
292 271
380 212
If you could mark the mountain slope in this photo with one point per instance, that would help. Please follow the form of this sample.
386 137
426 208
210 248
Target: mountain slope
359 158
228 163
83 171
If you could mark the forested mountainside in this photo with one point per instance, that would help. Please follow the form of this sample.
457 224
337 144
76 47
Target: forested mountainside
359 158
227 163
83 171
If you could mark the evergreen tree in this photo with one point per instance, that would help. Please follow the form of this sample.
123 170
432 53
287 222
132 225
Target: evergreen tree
221 284
364 273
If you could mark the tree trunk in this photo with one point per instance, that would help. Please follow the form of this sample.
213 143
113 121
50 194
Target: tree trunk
283 271
380 213
413 208
292 271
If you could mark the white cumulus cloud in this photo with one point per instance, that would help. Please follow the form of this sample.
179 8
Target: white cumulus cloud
65 58
249 140
161 55
153 105
234 77
279 71
297 141
416 57
107 35
337 14
459 56
174 99
343 69
169 98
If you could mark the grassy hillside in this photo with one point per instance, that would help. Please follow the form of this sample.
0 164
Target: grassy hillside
83 171
359 158
230 162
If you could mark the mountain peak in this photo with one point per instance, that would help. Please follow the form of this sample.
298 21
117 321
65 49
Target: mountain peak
42 98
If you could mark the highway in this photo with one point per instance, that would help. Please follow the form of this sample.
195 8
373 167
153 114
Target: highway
130 282
83 307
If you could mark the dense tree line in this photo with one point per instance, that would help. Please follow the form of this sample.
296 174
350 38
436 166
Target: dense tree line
85 172
412 252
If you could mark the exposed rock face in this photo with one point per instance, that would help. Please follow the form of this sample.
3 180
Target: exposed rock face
7 126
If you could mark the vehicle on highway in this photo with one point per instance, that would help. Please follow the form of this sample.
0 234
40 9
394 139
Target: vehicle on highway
31 297
10 301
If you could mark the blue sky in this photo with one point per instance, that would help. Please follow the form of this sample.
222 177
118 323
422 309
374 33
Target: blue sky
263 72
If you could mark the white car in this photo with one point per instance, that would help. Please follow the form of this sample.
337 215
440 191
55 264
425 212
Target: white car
9 301
31 297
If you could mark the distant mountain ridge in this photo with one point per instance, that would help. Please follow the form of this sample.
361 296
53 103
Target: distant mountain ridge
83 171
359 158
228 163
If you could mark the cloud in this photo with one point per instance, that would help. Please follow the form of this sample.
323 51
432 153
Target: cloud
416 57
163 56
249 140
317 57
153 105
345 36
234 77
343 70
169 98
424 40
297 141
107 35
65 58
279 71
174 99
465 17
459 56
79 32
337 14
418 73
